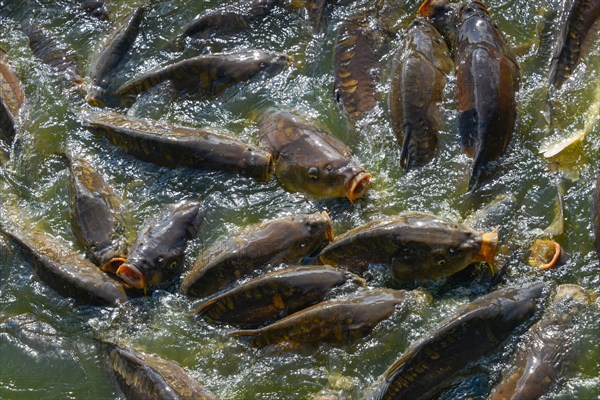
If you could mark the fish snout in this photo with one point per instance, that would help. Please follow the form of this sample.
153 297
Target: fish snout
132 276
356 186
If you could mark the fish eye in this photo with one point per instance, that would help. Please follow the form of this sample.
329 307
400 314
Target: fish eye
329 168
313 173
173 265
441 262
262 65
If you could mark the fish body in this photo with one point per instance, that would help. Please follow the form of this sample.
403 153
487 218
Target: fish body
576 24
159 250
115 48
317 14
96 8
477 329
272 296
149 377
416 90
355 63
11 100
284 240
547 351
309 160
207 75
338 322
414 245
96 218
596 214
174 146
487 79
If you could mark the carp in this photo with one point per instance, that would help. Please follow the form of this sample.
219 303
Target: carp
309 160
416 90
115 48
256 247
159 250
576 23
96 218
355 64
317 13
145 376
338 322
64 270
275 295
11 100
478 329
207 75
174 146
547 350
414 245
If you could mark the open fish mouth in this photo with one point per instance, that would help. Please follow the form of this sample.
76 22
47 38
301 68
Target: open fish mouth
132 276
113 265
545 254
358 185
489 243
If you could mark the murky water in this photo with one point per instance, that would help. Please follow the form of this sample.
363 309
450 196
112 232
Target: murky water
47 343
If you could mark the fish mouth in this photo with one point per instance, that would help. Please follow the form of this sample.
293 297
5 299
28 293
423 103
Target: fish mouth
428 7
132 276
541 251
489 243
329 235
358 185
113 265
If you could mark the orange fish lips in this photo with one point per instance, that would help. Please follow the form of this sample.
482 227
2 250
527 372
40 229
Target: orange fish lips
132 276
357 186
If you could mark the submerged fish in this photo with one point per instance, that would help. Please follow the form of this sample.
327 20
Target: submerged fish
576 23
354 66
310 160
273 296
159 250
149 377
416 90
546 353
596 214
96 8
477 329
116 46
339 322
414 245
284 240
208 74
317 14
96 217
11 100
174 146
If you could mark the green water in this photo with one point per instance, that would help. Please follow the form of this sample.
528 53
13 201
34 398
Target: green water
47 347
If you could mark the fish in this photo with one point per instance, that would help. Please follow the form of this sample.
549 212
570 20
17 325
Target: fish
337 322
546 254
596 213
317 14
175 146
145 376
272 296
575 26
96 8
159 251
56 55
547 351
62 269
96 218
11 100
355 65
284 240
478 328
230 19
113 52
416 90
415 245
309 160
207 75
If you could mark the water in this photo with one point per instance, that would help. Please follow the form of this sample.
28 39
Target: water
47 343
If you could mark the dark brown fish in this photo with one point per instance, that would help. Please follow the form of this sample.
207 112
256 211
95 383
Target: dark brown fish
174 146
339 322
62 269
273 296
309 160
11 100
355 65
231 18
596 214
416 89
207 75
149 377
546 354
96 8
477 329
159 250
414 245
284 240
96 217
115 48
487 78
317 14
576 23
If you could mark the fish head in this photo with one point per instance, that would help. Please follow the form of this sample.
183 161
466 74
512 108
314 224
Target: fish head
319 225
95 96
140 273
270 63
443 15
